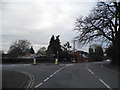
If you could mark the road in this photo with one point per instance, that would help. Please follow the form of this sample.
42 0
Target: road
74 75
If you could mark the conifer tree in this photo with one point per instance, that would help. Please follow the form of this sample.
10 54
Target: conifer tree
57 45
54 45
32 50
51 45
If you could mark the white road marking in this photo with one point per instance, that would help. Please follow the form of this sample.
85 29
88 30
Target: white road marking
57 70
54 73
60 69
38 85
46 79
49 77
90 71
105 84
100 79
69 64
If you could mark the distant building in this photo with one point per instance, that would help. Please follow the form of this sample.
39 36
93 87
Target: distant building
81 56
30 52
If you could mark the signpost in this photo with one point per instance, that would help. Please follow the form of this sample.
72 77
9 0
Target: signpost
56 60
34 61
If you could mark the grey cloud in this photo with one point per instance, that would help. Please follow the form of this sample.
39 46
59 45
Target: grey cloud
37 20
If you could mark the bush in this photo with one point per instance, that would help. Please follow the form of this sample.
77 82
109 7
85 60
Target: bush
65 56
11 60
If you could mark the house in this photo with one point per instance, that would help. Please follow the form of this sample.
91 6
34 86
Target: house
80 56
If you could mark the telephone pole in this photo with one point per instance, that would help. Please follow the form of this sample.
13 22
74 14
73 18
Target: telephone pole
74 45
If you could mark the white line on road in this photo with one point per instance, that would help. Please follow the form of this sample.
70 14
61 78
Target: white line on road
57 70
90 71
52 75
38 85
69 64
100 79
49 77
105 84
46 79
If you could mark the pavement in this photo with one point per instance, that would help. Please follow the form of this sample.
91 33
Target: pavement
114 67
15 79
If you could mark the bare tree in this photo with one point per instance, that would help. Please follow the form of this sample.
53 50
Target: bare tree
66 46
19 47
41 51
102 24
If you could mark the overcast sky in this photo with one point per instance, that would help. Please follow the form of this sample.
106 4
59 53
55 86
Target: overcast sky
37 20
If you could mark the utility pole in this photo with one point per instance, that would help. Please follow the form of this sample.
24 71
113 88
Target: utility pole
74 45
74 60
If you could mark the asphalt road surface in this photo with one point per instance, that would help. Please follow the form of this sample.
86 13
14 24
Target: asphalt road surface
74 75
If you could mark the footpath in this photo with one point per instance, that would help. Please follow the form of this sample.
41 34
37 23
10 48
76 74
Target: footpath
14 79
116 68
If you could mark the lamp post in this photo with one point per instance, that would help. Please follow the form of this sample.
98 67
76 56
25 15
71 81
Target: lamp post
74 45
74 60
